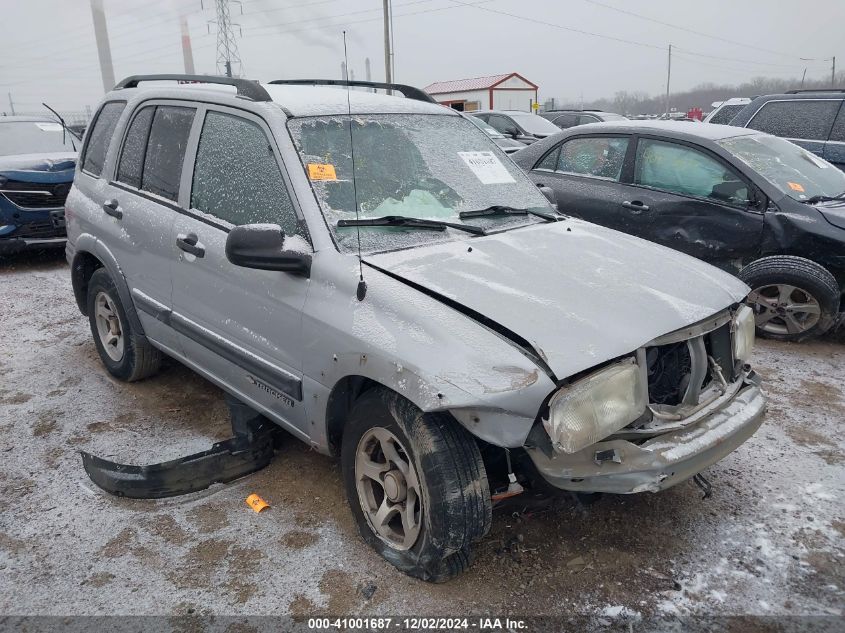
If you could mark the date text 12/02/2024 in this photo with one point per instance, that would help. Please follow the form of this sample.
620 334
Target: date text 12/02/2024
417 624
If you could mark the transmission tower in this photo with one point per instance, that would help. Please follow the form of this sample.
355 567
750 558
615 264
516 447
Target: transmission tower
228 57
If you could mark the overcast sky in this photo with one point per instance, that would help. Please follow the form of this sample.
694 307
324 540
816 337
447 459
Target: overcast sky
47 49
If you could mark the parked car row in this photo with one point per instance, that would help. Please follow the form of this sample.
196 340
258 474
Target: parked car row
373 274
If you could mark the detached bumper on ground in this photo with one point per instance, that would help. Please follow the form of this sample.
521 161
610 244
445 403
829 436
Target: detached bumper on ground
662 461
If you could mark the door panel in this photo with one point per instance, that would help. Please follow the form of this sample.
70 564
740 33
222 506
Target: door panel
241 326
691 201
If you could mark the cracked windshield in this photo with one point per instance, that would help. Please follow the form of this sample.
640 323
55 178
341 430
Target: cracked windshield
429 167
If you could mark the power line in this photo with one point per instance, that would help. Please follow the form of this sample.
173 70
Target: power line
688 30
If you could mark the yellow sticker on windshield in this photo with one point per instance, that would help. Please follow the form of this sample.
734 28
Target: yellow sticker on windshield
321 171
796 186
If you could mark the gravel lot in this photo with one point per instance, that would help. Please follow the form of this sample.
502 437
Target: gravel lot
769 542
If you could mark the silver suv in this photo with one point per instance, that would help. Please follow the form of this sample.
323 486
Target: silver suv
419 310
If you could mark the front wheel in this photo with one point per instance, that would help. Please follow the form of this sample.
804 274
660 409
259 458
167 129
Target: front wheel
416 485
793 298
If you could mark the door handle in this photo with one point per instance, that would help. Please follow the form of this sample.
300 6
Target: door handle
189 243
636 206
112 208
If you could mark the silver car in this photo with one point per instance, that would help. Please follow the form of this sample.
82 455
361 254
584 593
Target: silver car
419 310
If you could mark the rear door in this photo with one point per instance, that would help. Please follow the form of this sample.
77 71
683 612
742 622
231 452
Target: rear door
806 122
584 172
834 149
240 327
682 196
142 198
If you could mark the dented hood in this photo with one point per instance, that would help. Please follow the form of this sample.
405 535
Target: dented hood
580 293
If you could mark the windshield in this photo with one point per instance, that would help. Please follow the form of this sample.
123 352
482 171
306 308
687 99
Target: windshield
421 166
488 129
795 171
33 137
726 113
534 123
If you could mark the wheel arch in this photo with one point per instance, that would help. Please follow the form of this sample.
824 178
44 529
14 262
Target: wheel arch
91 254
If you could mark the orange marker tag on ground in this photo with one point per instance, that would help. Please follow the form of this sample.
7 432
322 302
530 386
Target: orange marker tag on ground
321 171
796 186
256 503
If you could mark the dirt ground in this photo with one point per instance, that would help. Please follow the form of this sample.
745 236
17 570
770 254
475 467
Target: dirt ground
769 542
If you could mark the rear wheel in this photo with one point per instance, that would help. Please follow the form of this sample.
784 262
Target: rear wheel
126 354
416 485
793 298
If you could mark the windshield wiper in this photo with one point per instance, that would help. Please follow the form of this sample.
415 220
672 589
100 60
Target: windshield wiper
502 210
414 223
820 198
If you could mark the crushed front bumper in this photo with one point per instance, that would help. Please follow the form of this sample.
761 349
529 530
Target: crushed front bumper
662 461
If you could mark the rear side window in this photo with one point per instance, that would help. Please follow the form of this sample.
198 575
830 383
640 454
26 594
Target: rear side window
566 120
838 131
100 137
166 150
236 177
587 118
600 156
132 155
799 119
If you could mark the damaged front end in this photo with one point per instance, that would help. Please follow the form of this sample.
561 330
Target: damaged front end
656 418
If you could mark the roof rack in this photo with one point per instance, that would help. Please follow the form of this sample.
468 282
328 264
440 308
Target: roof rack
796 92
246 88
408 91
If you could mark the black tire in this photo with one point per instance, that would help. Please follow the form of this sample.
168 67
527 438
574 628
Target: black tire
809 278
456 509
139 359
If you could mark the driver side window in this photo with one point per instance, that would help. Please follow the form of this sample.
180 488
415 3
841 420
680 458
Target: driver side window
688 172
236 177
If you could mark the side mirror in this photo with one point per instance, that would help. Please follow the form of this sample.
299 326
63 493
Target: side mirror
549 193
262 246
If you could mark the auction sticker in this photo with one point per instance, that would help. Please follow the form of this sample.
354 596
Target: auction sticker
321 171
487 167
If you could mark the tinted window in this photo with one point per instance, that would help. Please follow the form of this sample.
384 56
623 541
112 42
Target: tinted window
236 177
587 118
503 124
166 150
566 120
600 156
726 113
838 131
801 119
549 161
100 137
132 155
686 171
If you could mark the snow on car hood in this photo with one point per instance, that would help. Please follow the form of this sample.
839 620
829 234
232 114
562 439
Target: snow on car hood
52 162
580 293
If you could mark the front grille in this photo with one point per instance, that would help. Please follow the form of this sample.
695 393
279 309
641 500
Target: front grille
36 195
36 230
670 366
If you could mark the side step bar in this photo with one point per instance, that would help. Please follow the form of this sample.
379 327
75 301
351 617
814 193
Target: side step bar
249 450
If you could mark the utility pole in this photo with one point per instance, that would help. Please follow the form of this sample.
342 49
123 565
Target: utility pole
388 53
101 35
187 53
11 104
803 77
227 48
668 78
833 73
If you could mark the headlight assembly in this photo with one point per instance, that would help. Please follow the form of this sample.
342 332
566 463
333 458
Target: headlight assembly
592 408
743 333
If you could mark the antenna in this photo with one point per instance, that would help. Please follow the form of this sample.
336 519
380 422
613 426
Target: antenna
362 285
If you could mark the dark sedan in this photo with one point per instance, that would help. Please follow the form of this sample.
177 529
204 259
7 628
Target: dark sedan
37 163
745 201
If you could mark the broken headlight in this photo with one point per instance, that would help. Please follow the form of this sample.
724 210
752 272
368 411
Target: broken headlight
743 338
592 408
